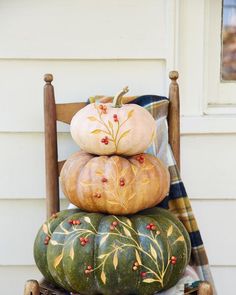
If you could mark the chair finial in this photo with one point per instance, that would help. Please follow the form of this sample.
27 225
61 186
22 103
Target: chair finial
48 78
173 75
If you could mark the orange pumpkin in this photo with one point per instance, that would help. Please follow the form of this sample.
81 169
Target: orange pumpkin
114 184
113 128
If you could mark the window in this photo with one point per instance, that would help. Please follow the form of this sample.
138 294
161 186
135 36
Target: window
228 59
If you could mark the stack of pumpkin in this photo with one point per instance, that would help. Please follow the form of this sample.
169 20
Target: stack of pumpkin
91 252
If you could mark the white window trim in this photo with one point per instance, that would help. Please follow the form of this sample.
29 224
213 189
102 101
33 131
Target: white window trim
219 96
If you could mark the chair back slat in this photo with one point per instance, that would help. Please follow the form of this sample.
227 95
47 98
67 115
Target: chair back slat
65 111
59 166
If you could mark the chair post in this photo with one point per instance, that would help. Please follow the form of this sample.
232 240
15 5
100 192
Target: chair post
174 116
31 288
205 288
50 127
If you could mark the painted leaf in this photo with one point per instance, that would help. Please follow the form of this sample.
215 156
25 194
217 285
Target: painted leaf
110 124
72 252
53 242
127 232
130 113
153 252
179 239
58 260
99 172
134 169
145 181
45 228
103 277
87 219
138 257
115 260
149 280
102 256
92 118
96 131
128 220
124 134
85 182
113 202
103 239
169 231
157 233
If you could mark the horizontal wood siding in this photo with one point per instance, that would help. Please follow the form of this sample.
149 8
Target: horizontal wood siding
97 47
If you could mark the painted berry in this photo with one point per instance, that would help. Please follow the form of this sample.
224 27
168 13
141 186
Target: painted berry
46 240
122 181
105 140
143 274
136 263
151 226
135 267
54 215
115 117
104 179
112 227
89 267
103 108
140 158
97 195
173 260
115 223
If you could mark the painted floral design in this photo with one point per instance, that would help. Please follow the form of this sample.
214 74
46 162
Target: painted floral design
111 131
149 262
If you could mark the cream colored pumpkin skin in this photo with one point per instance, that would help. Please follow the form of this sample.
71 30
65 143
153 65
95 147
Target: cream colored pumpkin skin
102 129
114 184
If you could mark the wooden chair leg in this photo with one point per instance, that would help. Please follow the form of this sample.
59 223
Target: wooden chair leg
31 288
205 288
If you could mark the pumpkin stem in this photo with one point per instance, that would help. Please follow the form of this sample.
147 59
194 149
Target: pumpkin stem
117 101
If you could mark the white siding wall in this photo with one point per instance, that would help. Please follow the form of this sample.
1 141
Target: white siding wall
95 47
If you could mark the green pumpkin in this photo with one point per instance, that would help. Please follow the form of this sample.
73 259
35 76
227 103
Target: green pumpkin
92 253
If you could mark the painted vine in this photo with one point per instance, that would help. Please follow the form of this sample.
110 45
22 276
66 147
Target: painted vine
111 130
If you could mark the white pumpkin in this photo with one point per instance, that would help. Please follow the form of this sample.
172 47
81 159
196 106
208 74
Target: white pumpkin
113 128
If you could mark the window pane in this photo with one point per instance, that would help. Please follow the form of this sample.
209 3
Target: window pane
228 67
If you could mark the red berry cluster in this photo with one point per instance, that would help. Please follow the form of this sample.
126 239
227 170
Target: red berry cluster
104 179
143 274
103 108
135 265
83 241
122 181
105 140
173 260
74 222
140 158
46 241
88 269
97 195
113 225
151 226
115 117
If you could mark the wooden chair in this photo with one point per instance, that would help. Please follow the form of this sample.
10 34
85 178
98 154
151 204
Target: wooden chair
64 112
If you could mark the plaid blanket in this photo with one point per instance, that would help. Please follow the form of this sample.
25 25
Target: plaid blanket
177 201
